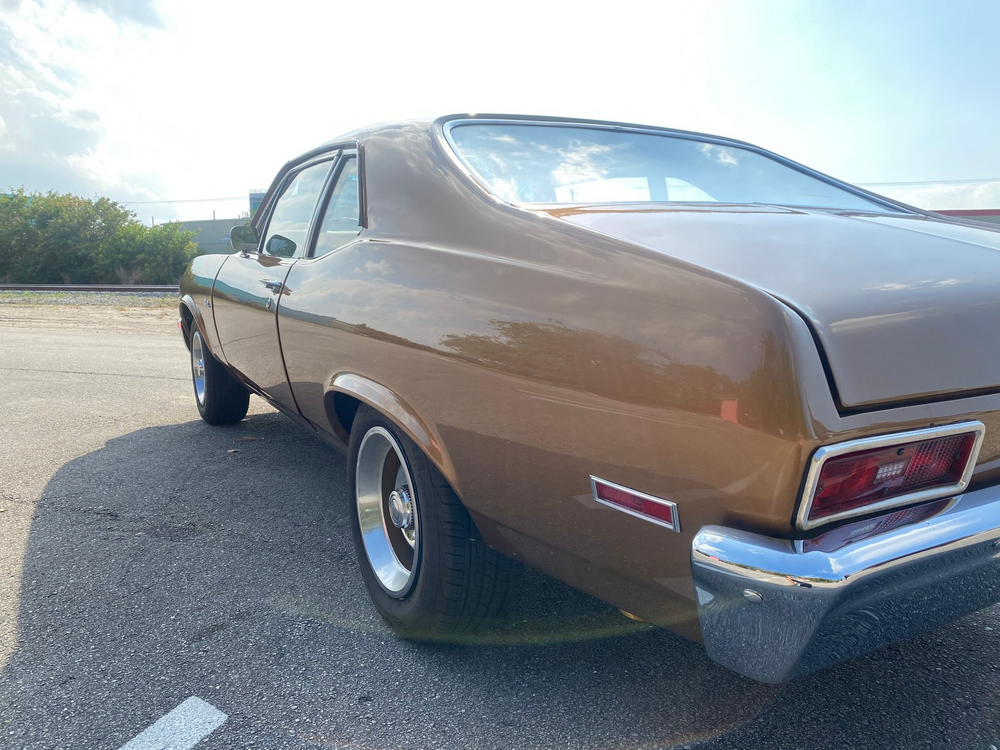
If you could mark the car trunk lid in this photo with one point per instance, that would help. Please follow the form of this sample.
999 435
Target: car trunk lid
905 307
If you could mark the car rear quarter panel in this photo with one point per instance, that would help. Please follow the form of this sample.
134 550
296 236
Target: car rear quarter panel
530 376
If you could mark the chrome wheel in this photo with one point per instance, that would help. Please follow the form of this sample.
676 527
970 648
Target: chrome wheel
387 511
198 367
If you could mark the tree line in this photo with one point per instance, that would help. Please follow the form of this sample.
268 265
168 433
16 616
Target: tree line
61 238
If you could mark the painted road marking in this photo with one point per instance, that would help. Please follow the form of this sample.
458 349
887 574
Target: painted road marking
181 729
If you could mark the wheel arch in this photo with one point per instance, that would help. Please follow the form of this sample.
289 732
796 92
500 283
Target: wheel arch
189 315
186 318
348 391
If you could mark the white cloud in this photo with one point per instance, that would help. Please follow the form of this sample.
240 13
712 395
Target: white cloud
725 156
982 195
137 11
51 128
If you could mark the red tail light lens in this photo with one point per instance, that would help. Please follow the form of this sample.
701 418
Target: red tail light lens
892 472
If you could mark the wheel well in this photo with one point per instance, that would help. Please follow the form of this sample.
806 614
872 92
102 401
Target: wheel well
187 319
341 410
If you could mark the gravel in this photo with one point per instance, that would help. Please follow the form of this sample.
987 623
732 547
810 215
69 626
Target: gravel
114 299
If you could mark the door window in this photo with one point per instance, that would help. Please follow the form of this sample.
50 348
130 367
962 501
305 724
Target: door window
289 224
342 218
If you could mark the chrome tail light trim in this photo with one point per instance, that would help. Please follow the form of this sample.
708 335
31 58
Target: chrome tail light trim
826 452
675 526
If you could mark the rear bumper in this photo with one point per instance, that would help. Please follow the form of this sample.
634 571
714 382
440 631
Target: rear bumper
773 609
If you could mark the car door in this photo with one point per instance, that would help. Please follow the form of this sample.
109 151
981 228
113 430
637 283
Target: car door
250 285
305 341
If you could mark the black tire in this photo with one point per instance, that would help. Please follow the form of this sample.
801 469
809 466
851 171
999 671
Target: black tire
225 399
459 583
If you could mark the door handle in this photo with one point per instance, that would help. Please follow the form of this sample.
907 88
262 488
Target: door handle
273 285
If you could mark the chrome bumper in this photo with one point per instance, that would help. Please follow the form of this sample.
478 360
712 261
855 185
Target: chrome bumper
773 609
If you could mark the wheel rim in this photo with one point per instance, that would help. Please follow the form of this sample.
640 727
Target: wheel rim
198 367
387 511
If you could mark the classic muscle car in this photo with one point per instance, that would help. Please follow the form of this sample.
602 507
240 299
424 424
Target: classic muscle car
723 392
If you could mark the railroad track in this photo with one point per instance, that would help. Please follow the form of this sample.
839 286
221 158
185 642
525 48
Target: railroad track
166 288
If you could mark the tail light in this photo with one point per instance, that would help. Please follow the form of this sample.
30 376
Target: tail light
875 474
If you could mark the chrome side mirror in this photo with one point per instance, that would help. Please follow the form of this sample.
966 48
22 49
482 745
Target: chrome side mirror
244 239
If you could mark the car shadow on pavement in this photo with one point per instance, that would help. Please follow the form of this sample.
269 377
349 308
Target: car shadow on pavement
188 560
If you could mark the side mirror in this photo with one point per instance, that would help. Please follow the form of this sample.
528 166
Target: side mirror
244 239
280 247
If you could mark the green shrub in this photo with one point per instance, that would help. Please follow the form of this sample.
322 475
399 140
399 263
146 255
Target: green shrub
137 254
62 238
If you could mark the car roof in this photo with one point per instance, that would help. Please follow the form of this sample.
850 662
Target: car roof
360 134
397 136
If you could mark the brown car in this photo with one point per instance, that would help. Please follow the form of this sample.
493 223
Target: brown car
725 393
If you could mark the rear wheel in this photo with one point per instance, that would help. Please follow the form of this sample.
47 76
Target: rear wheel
221 399
427 570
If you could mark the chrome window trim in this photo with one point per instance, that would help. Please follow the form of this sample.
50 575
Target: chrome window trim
467 168
329 185
675 526
826 452
325 151
330 156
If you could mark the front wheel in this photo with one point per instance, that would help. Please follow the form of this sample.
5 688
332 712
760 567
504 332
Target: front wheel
426 569
221 399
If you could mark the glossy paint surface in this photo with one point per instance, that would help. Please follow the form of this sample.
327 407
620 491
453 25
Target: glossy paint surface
244 308
526 350
196 300
895 300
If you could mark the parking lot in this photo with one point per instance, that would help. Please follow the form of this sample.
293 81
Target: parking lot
146 558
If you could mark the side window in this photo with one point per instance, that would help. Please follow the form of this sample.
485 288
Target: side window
289 224
342 219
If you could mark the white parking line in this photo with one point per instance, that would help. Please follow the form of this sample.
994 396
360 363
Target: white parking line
181 729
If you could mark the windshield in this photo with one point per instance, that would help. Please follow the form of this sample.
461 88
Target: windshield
526 163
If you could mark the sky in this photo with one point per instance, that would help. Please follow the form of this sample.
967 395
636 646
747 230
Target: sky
186 100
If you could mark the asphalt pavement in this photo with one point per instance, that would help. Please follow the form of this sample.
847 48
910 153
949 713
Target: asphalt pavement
158 573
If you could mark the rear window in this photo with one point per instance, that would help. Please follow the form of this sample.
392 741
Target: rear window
526 163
